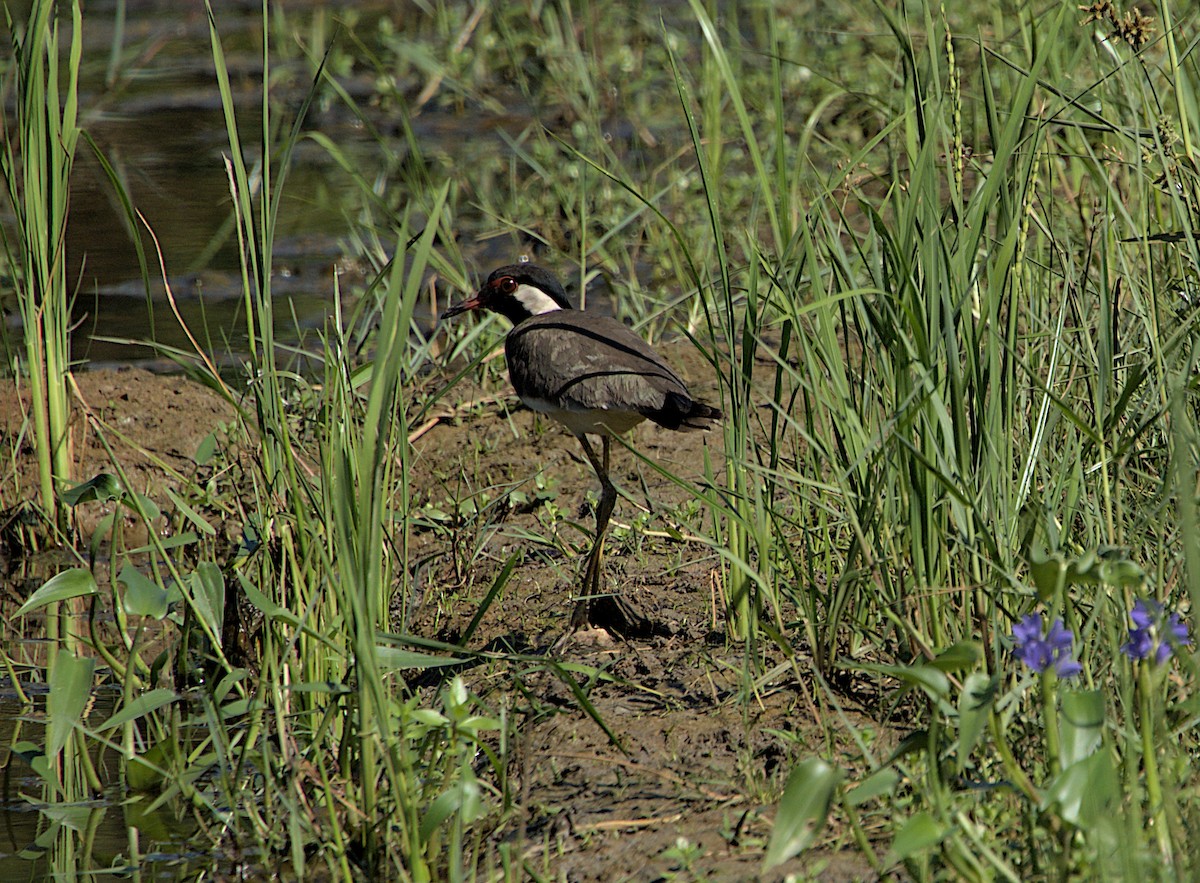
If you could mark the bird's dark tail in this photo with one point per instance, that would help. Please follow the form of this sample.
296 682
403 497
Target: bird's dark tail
686 414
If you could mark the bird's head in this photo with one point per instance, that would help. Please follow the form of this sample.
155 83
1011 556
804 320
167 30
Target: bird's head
516 292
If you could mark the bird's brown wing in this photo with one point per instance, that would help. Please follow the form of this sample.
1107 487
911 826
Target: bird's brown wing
580 361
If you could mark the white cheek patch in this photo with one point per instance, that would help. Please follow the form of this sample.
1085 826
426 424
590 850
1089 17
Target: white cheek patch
535 300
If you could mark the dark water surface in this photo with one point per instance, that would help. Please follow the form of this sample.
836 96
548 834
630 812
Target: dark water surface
159 124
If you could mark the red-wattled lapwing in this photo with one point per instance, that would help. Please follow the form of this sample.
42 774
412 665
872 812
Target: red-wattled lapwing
595 377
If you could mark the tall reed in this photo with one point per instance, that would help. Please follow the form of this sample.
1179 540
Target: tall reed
37 170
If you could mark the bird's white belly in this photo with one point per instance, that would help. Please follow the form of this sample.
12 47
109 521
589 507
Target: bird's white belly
586 421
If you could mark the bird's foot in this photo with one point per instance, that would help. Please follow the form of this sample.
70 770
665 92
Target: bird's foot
617 615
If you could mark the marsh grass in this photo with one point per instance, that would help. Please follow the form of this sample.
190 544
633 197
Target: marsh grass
979 325
37 168
948 292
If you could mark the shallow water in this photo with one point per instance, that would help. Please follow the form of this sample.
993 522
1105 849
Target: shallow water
159 124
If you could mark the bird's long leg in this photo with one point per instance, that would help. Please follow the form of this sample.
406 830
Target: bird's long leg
596 608
608 501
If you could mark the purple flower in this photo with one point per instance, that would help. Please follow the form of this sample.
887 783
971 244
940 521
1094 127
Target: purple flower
1153 635
1042 652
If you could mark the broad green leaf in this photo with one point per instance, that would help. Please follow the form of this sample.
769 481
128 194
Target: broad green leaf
928 678
175 541
73 583
268 608
208 596
148 771
140 707
974 705
802 810
1081 723
958 657
1108 565
237 708
463 798
206 449
1084 792
395 657
142 505
142 596
919 833
330 688
1122 572
102 531
70 690
75 816
1047 570
882 781
231 680
102 487
35 756
198 520
917 740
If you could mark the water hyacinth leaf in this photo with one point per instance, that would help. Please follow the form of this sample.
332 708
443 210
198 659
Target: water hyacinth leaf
151 822
1048 572
802 810
958 657
267 607
197 520
1122 573
43 844
140 707
70 690
73 816
1108 565
933 681
882 781
36 758
328 688
103 530
974 706
914 742
142 505
206 449
1081 723
1085 791
237 676
143 596
73 583
148 771
919 833
237 708
461 798
208 596
103 487
396 658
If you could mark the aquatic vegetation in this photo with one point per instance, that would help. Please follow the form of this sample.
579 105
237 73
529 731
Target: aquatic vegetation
942 271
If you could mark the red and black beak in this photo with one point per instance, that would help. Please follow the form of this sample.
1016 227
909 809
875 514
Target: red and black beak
471 303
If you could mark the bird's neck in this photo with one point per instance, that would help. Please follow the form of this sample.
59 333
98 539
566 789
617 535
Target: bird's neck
525 303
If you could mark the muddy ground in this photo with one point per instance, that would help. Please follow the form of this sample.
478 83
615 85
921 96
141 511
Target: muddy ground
698 758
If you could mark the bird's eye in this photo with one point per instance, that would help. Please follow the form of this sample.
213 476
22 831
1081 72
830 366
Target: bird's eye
508 284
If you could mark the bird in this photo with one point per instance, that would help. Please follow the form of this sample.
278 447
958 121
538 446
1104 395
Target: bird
596 377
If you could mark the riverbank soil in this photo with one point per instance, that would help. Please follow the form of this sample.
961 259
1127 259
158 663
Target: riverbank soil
675 771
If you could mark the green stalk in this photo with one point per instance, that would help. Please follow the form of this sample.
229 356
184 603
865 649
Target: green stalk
38 186
1154 792
1050 717
1182 85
